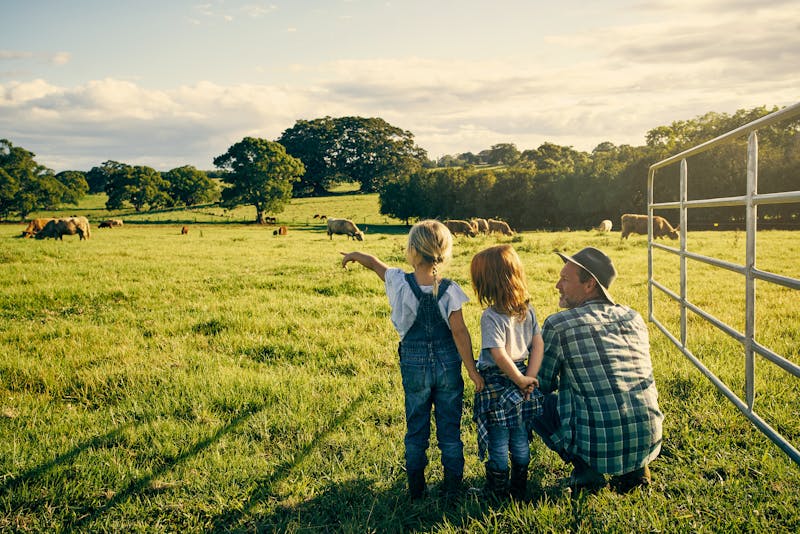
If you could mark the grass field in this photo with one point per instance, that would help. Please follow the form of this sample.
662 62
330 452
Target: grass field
232 380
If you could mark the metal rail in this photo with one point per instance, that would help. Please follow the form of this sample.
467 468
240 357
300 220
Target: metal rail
750 200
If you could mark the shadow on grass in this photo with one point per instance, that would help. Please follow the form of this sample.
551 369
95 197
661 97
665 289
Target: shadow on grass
356 506
40 470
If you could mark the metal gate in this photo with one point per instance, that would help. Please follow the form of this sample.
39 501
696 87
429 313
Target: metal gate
750 200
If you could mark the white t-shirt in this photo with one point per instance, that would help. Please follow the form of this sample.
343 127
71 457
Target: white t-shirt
404 304
501 330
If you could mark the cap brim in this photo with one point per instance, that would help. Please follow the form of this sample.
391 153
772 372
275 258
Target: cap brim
606 294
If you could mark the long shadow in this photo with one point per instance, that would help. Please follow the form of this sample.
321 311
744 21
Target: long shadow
138 486
39 470
355 506
263 489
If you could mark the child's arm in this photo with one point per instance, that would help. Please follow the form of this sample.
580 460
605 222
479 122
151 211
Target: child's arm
367 260
507 365
535 357
464 345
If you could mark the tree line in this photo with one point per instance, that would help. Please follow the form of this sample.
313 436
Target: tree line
551 186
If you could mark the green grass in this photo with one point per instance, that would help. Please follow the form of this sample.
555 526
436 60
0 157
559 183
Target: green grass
232 380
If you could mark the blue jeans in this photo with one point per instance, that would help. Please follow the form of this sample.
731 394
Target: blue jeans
548 423
503 441
433 380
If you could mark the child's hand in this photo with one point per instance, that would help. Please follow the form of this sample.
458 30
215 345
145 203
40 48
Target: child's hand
347 258
477 379
526 383
530 388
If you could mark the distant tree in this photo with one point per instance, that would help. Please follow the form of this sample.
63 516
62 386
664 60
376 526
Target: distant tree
97 177
503 154
75 184
25 185
399 197
367 151
260 173
189 186
313 143
8 188
116 177
147 188
141 186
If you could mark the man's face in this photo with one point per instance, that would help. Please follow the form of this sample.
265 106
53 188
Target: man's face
573 292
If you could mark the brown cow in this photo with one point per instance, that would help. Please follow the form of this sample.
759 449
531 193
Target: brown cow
110 223
499 226
637 224
281 231
35 226
482 225
56 228
184 230
457 226
344 227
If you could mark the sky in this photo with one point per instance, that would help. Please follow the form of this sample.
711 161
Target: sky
167 83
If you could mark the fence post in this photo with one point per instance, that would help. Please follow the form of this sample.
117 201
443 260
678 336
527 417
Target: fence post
751 212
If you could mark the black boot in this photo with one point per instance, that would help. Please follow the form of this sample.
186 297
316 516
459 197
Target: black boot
584 477
416 484
452 485
496 483
519 481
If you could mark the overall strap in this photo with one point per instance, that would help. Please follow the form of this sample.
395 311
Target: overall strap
412 281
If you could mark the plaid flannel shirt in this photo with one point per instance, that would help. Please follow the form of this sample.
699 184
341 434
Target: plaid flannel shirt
500 403
598 358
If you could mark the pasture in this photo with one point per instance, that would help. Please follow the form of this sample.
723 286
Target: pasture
233 380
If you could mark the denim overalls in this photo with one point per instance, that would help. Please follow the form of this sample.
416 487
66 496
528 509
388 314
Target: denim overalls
431 369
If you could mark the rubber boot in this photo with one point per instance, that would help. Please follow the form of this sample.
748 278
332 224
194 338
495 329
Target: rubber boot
629 481
496 483
519 481
584 477
416 484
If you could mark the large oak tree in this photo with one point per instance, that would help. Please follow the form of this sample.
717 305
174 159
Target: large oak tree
369 151
260 173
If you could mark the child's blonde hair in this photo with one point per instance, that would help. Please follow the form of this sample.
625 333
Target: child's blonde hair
499 280
432 242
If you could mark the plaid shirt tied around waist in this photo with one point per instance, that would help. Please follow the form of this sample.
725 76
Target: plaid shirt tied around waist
502 404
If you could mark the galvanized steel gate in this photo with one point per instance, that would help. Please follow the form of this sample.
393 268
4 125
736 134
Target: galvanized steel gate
750 200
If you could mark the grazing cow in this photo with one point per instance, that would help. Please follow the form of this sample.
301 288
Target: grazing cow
110 223
637 224
56 228
270 220
344 227
457 227
604 226
320 217
184 230
499 226
35 226
281 231
482 225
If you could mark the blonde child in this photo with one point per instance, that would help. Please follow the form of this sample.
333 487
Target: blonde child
510 335
426 312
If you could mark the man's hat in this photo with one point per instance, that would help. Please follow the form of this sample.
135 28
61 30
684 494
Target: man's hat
597 264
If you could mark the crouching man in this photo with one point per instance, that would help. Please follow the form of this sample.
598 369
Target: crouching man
600 408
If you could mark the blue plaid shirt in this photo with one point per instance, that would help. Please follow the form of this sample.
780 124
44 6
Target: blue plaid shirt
500 403
598 358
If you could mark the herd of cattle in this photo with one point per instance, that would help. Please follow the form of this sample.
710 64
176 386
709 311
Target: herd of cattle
631 224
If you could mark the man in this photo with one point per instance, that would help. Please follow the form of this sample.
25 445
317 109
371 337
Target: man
601 405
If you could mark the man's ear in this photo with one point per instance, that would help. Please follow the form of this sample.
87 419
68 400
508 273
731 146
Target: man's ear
591 286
